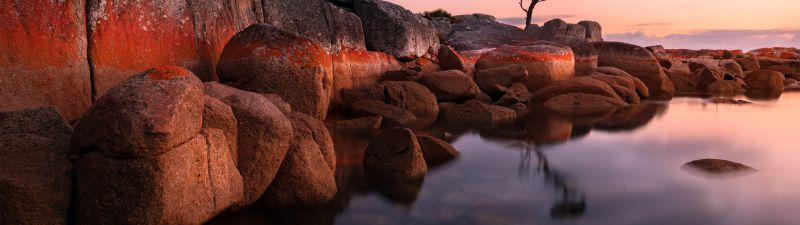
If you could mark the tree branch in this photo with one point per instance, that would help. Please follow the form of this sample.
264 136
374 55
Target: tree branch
522 6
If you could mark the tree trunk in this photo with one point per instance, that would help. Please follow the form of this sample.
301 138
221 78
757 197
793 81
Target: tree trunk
529 16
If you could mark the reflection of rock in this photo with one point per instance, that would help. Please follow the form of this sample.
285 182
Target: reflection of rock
763 94
400 192
474 112
583 104
718 166
630 118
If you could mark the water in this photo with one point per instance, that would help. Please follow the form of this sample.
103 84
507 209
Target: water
623 169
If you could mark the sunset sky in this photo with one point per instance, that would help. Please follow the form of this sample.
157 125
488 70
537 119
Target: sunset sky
729 24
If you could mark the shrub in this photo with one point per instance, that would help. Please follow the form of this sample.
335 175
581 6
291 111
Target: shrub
437 14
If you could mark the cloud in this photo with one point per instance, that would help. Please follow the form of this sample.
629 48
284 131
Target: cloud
643 25
716 39
520 21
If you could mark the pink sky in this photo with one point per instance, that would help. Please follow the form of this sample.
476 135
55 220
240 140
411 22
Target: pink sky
744 24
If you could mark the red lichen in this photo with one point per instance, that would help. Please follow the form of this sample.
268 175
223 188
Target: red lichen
168 73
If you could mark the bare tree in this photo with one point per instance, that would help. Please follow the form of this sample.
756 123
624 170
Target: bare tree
529 10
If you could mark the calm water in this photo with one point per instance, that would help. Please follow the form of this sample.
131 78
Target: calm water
623 168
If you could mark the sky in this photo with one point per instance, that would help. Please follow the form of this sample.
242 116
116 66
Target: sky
693 24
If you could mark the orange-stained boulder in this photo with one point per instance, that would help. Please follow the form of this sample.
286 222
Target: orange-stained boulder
267 59
144 116
354 69
546 62
640 63
43 56
126 37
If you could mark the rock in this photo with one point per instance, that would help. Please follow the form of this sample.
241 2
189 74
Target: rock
436 151
626 94
144 116
449 59
641 88
718 166
786 70
795 76
727 101
489 79
306 176
35 181
765 80
749 63
638 62
364 126
584 85
554 28
392 29
725 87
473 32
426 64
395 155
411 96
43 60
172 188
485 98
443 28
585 55
264 135
303 67
521 109
45 122
218 115
517 93
276 100
477 113
594 32
128 37
682 78
354 69
227 186
324 23
705 77
402 75
731 68
583 104
393 116
450 85
789 82
546 62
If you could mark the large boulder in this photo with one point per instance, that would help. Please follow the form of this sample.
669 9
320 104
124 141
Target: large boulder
583 104
476 31
546 62
189 184
147 115
306 176
126 37
684 80
340 30
640 63
218 115
765 80
475 112
641 87
267 59
408 95
585 55
353 69
35 181
450 85
450 59
725 88
393 116
594 32
43 59
491 80
263 140
584 85
749 63
557 29
395 154
46 122
392 29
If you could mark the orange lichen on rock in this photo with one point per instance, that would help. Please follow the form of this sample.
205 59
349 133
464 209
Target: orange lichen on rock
168 72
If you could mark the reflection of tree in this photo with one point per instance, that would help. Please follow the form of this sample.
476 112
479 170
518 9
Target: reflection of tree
571 200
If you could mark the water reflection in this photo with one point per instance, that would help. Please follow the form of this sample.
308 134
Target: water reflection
571 200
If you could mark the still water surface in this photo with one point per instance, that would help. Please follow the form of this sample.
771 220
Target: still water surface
620 168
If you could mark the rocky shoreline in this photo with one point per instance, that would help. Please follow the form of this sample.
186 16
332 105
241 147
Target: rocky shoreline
123 112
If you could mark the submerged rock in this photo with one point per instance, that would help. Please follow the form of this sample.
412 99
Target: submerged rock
475 112
395 155
718 166
727 101
436 151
